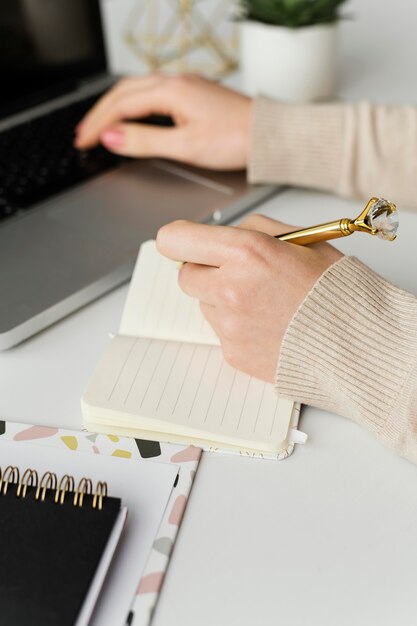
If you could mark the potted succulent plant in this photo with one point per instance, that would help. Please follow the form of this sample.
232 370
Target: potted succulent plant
288 48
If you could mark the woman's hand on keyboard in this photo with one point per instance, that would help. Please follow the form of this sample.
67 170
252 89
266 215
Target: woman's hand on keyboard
249 284
211 122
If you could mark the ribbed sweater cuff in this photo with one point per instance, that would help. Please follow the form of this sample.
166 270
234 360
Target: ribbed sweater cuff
351 348
297 144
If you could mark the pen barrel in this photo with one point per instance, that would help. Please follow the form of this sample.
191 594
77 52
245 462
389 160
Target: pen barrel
322 232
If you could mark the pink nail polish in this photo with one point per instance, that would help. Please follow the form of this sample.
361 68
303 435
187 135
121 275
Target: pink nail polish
112 137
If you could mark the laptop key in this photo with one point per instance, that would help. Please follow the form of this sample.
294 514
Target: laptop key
6 209
38 159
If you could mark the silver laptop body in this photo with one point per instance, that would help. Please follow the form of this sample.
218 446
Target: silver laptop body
66 250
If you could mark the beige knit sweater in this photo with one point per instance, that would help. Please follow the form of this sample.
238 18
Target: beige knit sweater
351 348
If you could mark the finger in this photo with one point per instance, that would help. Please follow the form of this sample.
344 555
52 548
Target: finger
264 224
130 105
200 281
144 140
123 87
127 105
203 244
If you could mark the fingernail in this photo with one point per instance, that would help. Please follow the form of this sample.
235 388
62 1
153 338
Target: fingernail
112 137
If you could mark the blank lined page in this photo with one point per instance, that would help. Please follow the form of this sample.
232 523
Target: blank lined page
186 389
156 306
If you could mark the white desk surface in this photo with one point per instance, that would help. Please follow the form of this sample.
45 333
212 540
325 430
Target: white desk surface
327 537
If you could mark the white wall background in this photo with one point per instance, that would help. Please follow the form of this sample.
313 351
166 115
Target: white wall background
132 25
370 27
375 26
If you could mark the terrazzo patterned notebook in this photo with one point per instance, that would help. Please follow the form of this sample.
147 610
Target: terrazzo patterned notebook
152 479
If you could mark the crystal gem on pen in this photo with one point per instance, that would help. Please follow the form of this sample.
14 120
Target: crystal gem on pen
383 216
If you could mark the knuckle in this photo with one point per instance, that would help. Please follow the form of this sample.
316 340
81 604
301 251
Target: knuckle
246 251
253 248
232 296
230 327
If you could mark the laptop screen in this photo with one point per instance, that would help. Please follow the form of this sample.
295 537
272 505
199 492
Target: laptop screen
46 48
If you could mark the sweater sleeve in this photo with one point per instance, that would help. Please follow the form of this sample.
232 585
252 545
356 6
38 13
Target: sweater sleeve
355 150
351 348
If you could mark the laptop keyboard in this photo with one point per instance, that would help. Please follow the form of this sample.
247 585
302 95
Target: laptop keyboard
38 160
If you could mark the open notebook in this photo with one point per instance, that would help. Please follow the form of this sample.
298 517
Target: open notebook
164 377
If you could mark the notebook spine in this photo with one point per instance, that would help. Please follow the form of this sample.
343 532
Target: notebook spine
48 482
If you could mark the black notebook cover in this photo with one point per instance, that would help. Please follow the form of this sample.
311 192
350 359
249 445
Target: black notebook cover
49 554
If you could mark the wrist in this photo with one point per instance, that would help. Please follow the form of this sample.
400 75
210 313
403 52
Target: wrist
351 345
296 144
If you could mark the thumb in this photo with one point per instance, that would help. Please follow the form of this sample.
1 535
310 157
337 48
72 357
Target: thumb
267 225
143 140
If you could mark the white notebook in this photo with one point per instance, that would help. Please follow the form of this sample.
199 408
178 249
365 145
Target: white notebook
164 377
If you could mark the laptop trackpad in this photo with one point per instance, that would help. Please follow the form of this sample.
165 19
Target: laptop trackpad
128 205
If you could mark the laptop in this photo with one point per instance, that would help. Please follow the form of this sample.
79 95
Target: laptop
71 222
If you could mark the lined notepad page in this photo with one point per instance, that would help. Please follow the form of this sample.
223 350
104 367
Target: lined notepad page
156 306
188 386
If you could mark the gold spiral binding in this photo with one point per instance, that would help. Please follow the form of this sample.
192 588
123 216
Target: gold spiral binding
49 481
85 486
11 474
99 494
29 479
65 484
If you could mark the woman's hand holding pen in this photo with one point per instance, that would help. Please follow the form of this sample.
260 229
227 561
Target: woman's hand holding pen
249 284
211 122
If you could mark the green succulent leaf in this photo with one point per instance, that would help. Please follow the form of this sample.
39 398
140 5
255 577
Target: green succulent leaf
292 13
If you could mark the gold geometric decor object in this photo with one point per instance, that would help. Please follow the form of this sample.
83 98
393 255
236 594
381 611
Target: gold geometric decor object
183 35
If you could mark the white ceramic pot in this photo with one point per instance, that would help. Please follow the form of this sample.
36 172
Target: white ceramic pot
289 64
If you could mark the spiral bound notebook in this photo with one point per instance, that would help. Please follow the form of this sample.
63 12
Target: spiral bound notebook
153 480
57 541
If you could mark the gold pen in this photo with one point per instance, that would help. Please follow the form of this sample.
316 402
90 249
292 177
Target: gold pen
379 218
